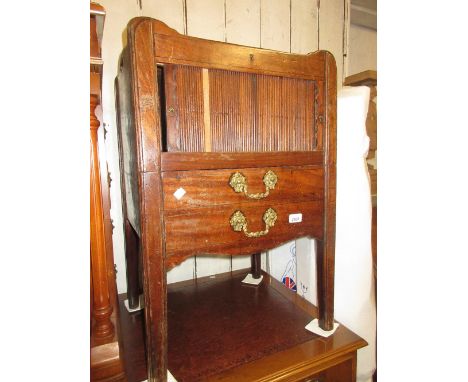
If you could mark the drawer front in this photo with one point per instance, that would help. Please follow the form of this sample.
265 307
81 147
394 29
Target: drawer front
211 188
222 230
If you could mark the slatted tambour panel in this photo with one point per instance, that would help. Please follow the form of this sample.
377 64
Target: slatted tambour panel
241 112
233 111
184 108
253 112
286 114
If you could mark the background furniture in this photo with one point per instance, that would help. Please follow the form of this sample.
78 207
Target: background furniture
369 78
106 361
222 147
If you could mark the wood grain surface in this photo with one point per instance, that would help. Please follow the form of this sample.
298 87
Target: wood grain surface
207 230
211 188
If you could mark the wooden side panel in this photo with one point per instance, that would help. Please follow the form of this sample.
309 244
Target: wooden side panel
127 143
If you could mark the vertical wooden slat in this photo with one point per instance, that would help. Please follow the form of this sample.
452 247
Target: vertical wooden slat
206 110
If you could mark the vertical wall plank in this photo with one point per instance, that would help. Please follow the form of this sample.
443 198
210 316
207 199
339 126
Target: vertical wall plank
243 27
243 22
275 24
169 12
206 19
331 23
304 26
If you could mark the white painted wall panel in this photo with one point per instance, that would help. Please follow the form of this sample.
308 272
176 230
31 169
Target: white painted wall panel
275 24
170 12
362 50
304 26
243 22
206 19
331 24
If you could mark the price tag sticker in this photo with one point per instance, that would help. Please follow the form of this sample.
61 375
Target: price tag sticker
180 192
295 218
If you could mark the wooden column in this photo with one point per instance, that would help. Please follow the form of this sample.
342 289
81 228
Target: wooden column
102 307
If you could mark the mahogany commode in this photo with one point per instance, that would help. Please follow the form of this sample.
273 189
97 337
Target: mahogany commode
225 150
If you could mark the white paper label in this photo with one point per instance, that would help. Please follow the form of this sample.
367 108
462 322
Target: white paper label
179 193
295 218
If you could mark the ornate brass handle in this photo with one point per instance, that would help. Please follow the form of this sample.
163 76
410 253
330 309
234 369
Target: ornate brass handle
239 222
239 183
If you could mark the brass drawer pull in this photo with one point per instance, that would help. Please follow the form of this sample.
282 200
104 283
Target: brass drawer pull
239 183
238 222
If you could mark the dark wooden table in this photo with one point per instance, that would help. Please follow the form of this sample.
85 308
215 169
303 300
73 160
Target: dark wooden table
222 330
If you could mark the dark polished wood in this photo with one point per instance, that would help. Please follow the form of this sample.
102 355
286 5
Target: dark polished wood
211 188
191 113
258 345
256 268
209 231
